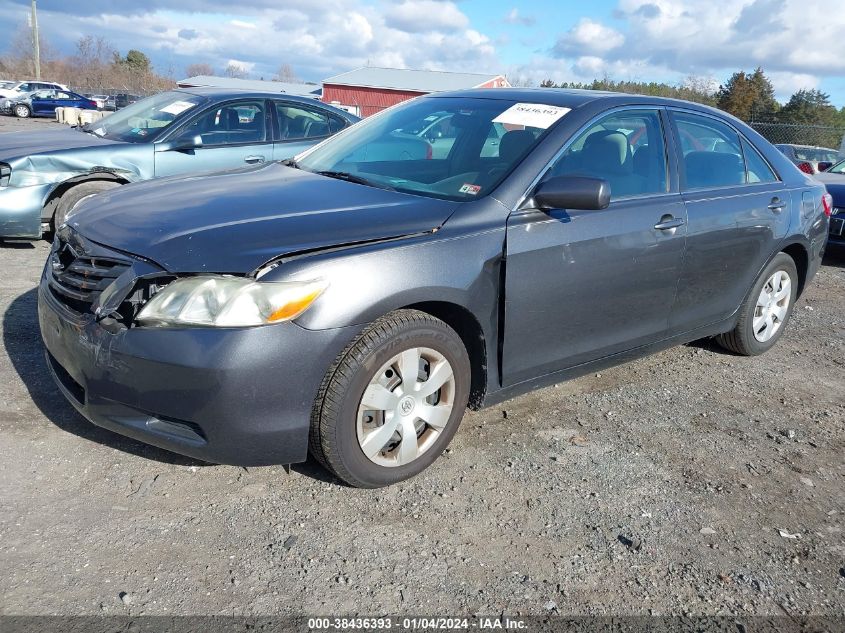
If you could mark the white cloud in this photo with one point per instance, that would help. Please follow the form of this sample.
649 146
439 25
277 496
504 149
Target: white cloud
242 25
515 17
588 37
417 16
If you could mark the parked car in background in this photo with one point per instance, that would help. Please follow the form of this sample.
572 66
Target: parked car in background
45 102
45 173
808 158
20 88
354 306
100 101
123 100
834 180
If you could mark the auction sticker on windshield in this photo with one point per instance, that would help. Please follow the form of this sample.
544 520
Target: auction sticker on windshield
536 115
178 107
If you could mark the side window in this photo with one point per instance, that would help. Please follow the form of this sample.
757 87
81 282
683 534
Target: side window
758 169
25 88
297 122
625 148
232 123
712 156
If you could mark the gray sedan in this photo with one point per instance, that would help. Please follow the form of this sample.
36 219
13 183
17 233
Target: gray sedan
354 306
45 174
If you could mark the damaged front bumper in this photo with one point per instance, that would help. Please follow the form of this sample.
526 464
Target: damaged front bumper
239 396
20 210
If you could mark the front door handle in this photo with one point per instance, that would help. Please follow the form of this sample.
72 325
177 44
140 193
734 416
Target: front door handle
777 205
669 223
253 159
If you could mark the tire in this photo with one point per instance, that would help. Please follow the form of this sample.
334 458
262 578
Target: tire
76 194
22 111
754 334
344 421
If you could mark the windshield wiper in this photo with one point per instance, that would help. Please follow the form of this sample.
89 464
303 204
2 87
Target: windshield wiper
290 162
343 175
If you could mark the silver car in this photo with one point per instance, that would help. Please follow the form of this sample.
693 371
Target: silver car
44 174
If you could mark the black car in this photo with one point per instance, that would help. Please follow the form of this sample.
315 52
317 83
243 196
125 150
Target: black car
354 301
834 181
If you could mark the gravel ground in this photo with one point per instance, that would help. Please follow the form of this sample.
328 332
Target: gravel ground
689 482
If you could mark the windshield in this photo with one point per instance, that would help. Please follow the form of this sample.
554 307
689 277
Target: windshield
817 154
455 148
145 120
838 168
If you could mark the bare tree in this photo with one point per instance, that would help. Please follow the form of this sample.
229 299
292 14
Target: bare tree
196 70
287 74
236 71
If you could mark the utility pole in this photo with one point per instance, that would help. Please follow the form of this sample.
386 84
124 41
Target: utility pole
36 45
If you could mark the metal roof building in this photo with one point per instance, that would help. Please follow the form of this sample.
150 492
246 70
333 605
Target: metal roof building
207 81
365 91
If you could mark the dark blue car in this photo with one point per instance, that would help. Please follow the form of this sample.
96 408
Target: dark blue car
834 181
45 102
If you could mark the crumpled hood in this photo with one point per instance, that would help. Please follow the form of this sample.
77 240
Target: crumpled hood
835 185
19 144
235 221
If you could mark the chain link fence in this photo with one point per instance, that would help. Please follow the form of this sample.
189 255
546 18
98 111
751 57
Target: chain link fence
797 134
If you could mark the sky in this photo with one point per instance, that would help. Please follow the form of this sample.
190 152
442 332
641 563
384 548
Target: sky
795 41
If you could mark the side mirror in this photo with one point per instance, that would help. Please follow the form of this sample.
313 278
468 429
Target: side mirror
573 192
181 144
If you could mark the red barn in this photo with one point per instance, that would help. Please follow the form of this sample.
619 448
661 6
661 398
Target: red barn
365 91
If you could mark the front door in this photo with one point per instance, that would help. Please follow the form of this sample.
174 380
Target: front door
582 285
235 134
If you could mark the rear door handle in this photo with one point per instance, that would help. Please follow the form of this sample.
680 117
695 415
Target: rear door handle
777 205
668 222
254 159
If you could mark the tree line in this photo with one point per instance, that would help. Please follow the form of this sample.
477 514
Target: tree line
749 96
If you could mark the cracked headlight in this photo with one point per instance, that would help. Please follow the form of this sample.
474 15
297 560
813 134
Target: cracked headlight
217 301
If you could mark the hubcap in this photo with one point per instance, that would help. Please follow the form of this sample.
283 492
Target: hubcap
405 407
772 306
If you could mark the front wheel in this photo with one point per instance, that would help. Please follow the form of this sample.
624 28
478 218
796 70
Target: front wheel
392 402
22 111
766 311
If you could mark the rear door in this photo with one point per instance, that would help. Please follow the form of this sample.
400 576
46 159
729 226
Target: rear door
581 285
298 126
737 209
233 134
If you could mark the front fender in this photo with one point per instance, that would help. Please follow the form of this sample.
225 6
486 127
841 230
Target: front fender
369 281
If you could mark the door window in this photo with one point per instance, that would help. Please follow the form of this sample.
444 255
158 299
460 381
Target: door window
230 124
712 155
625 148
758 169
297 122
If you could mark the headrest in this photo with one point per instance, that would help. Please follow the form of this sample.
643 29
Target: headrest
514 144
609 149
709 169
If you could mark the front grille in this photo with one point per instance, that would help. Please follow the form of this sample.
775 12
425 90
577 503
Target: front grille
78 274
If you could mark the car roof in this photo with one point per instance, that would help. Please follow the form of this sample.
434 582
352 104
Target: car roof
573 98
229 93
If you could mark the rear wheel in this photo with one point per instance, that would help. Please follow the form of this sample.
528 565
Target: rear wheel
22 111
77 194
765 313
393 401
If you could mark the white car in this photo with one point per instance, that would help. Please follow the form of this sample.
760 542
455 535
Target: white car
20 88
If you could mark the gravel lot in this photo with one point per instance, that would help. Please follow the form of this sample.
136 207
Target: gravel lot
690 482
